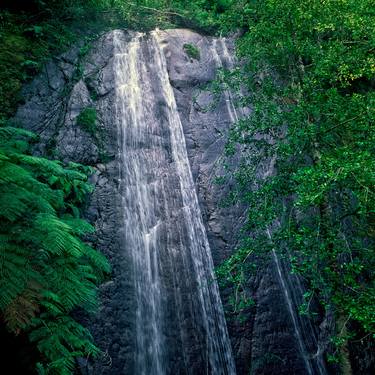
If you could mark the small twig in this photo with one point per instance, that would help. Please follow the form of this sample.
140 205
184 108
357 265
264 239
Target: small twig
354 42
158 10
362 338
341 123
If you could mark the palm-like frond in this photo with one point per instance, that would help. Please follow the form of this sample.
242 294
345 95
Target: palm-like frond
46 270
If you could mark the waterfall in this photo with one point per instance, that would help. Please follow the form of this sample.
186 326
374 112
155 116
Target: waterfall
232 111
179 315
314 363
303 331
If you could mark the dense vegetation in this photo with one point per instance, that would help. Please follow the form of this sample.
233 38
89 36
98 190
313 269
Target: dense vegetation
47 271
309 75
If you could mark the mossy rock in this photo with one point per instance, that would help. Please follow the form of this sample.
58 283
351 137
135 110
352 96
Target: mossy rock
192 51
87 120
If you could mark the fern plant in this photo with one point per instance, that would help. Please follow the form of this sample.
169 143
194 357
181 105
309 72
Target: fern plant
46 269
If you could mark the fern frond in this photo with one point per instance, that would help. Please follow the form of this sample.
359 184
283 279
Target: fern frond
20 312
12 205
78 226
98 261
46 270
62 341
13 173
9 132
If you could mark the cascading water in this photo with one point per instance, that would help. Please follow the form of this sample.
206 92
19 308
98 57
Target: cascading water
232 111
179 316
303 332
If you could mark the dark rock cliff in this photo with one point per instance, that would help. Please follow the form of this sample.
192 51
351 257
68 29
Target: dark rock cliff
266 342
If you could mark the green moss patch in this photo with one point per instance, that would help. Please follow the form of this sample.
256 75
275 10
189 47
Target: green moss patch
87 120
192 51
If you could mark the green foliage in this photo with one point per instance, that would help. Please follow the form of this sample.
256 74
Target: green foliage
23 50
64 340
192 51
309 68
87 120
46 269
32 32
236 271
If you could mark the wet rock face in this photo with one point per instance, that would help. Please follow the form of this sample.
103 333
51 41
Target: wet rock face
265 342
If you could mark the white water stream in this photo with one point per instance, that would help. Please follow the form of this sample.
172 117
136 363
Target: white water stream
163 225
314 363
